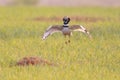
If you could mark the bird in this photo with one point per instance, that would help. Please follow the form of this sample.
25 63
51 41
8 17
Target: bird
66 29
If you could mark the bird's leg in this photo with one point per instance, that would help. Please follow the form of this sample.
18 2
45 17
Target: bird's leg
65 40
69 39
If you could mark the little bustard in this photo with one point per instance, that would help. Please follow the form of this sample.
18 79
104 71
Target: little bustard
66 29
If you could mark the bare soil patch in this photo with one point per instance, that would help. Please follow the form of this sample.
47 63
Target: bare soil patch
26 61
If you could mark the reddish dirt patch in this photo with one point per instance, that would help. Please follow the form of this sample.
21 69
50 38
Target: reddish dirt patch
73 18
87 19
33 61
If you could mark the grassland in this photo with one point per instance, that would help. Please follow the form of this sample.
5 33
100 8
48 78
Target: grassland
82 59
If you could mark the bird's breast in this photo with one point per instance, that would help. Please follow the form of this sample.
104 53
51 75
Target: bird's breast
66 31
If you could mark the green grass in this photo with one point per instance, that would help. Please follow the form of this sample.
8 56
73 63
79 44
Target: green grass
82 59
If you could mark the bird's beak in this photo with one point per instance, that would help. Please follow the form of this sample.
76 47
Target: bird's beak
65 22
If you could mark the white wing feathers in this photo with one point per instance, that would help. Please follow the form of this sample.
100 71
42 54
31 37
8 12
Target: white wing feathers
51 30
58 28
80 28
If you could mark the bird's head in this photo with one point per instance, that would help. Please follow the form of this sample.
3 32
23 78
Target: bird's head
66 20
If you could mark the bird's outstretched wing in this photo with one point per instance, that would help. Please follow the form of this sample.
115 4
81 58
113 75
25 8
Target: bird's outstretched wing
51 30
80 28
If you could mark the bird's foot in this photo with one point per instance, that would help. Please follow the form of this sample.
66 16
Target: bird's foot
68 41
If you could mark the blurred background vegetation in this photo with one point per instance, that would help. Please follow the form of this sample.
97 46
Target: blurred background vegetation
113 3
25 2
18 2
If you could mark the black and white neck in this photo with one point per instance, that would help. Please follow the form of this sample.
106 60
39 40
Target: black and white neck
65 25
